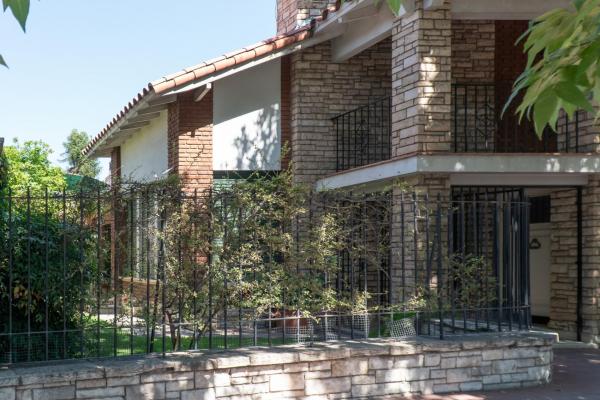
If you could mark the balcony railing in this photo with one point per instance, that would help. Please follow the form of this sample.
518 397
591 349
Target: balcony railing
363 135
479 126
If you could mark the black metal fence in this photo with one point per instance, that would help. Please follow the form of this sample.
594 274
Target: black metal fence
363 135
127 272
479 126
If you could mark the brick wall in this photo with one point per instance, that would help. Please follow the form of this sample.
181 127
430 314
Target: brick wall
115 165
370 369
286 110
421 75
190 141
473 51
321 90
563 285
291 13
116 219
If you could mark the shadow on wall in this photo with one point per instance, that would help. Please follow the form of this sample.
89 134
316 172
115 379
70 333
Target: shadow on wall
262 151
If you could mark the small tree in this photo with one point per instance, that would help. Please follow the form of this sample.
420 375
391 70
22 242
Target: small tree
29 167
73 155
247 246
42 245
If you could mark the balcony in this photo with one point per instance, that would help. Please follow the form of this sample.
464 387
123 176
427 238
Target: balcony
479 126
363 135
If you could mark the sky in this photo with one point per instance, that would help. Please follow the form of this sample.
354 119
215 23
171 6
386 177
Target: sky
81 61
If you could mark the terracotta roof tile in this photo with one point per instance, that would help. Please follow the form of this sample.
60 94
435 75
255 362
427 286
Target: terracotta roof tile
205 69
219 65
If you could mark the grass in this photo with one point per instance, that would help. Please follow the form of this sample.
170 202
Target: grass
127 344
102 339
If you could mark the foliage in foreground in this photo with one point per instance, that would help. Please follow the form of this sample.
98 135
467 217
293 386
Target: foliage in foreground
563 66
20 10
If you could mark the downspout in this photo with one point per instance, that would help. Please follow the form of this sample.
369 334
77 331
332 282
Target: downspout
579 264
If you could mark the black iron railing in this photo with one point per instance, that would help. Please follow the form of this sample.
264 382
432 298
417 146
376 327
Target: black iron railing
363 135
86 275
479 126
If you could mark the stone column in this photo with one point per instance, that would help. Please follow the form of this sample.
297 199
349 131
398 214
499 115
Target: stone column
421 81
409 272
563 273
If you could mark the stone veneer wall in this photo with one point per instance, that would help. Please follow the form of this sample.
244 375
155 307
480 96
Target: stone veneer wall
563 285
421 76
473 51
367 369
321 90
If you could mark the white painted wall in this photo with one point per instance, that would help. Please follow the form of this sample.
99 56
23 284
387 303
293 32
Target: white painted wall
246 111
144 156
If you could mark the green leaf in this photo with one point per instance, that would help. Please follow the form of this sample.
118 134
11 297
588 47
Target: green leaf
395 6
19 8
571 94
543 112
2 62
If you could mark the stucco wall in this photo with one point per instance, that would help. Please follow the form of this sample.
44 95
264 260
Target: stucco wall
144 155
359 370
246 116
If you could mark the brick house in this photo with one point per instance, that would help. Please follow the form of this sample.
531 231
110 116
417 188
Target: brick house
364 97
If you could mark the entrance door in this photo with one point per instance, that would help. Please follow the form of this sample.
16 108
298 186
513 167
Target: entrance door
540 261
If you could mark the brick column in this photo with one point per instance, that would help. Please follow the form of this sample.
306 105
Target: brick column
421 81
190 141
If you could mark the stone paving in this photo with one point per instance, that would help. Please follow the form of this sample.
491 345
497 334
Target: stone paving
576 376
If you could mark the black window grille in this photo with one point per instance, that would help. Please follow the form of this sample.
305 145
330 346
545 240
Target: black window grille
363 135
479 125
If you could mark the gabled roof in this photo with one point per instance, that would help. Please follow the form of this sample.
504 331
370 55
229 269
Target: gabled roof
181 80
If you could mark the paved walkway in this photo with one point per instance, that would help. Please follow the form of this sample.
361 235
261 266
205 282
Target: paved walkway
576 376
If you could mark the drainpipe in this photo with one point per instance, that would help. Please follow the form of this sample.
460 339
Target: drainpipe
579 265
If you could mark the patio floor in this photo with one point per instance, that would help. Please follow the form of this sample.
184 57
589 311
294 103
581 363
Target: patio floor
576 377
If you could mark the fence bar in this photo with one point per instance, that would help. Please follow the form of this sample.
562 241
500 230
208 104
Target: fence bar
46 271
440 278
10 276
145 239
99 268
132 266
579 263
64 272
29 289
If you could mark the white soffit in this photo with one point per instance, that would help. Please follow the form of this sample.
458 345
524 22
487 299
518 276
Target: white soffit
361 24
487 169
363 29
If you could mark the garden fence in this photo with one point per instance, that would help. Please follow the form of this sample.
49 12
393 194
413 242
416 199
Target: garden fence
107 273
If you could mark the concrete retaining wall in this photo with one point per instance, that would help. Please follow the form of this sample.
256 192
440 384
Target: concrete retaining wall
359 369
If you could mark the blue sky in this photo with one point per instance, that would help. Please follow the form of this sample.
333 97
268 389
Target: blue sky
81 61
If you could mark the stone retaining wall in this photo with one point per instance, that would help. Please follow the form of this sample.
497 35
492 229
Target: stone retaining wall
358 369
